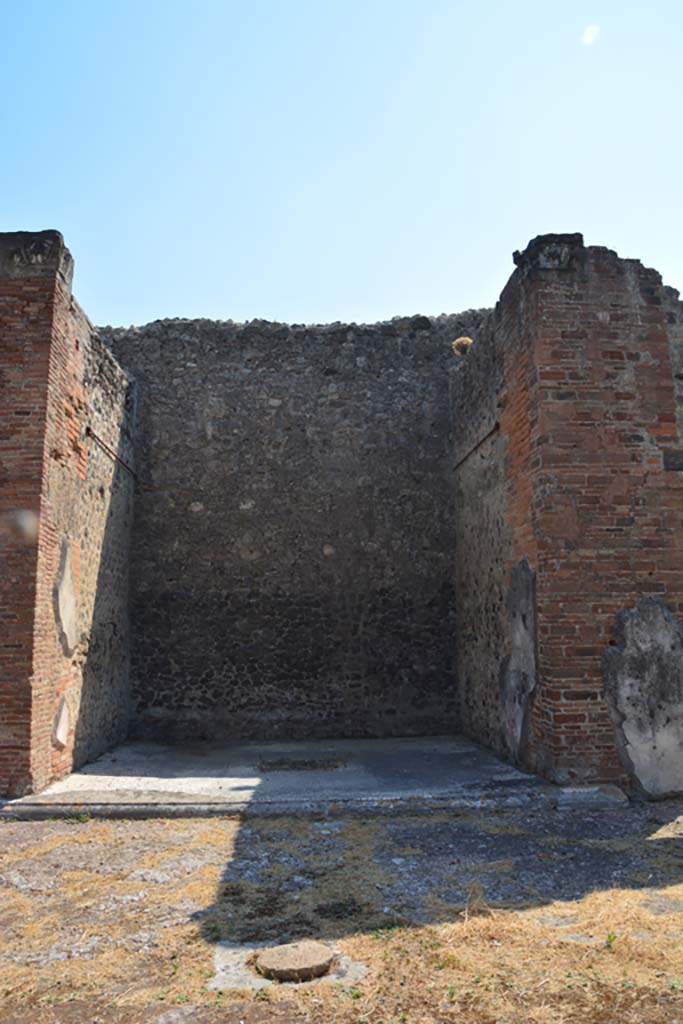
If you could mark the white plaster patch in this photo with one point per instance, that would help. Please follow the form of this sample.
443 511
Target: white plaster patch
64 600
61 726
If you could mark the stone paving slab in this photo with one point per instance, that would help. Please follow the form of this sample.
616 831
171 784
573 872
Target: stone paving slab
151 780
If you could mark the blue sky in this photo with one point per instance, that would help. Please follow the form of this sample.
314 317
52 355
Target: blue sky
355 160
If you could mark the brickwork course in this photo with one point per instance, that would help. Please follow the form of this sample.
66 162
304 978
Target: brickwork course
66 509
259 530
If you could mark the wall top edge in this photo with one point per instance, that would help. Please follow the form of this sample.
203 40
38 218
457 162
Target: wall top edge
35 254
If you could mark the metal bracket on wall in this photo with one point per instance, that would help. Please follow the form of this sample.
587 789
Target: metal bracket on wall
493 430
89 432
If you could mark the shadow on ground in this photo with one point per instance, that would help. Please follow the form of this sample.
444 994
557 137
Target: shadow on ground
478 916
332 877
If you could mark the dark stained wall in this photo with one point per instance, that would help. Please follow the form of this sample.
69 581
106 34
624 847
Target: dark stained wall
292 562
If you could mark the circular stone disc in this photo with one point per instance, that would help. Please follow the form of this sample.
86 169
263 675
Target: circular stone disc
295 961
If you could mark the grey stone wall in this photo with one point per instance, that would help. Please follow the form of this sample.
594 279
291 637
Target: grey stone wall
482 540
105 516
293 543
494 582
482 546
674 318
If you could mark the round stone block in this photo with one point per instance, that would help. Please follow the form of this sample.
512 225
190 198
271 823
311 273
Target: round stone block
295 961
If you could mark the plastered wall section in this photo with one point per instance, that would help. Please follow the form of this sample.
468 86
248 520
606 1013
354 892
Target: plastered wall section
292 554
77 629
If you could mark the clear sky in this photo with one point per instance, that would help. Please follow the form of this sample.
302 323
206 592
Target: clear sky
336 159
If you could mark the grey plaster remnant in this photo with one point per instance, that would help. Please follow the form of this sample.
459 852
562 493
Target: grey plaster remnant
61 726
643 679
518 670
65 601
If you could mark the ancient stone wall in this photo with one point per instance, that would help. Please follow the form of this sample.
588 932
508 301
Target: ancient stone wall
348 530
493 402
294 521
72 682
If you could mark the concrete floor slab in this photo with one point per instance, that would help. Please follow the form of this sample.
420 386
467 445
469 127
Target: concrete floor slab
145 779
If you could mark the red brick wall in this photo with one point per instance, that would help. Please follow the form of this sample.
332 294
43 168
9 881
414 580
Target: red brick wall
54 674
58 381
568 397
87 502
607 517
28 267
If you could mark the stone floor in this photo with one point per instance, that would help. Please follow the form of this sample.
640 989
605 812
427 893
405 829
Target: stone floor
304 777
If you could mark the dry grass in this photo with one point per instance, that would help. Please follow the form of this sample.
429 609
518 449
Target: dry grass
602 959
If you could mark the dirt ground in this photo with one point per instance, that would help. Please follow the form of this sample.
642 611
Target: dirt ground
520 917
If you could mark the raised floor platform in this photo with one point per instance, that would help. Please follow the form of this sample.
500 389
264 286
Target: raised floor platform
323 776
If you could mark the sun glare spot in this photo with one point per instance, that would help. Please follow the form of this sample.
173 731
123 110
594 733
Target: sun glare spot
590 35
